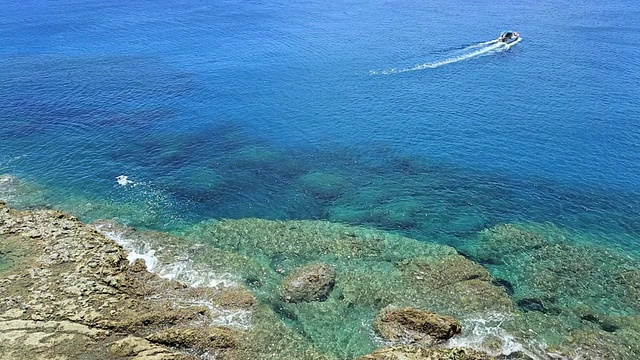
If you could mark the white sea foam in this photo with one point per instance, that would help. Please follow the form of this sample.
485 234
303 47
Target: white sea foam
238 318
123 180
483 48
187 272
478 330
7 187
183 270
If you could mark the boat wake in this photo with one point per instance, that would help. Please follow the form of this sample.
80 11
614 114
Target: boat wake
468 52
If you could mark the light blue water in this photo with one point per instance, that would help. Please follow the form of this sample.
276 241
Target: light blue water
221 110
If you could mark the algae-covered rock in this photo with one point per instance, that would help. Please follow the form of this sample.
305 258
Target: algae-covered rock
437 273
404 352
415 326
456 285
373 269
271 338
307 241
324 186
503 240
553 271
593 343
569 290
308 283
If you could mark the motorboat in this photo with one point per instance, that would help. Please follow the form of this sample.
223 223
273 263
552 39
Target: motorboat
508 37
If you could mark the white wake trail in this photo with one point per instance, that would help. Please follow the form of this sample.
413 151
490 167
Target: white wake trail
473 46
437 64
483 48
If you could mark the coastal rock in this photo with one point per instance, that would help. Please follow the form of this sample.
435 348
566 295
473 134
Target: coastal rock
437 273
198 338
404 352
456 284
501 241
308 283
234 297
415 326
71 293
141 349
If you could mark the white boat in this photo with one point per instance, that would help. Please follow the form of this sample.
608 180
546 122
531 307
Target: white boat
508 37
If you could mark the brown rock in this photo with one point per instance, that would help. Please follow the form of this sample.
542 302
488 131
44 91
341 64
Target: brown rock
404 352
308 283
69 286
138 265
235 297
199 338
436 274
139 348
415 326
137 320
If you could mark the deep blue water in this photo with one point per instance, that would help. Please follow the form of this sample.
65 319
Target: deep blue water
220 109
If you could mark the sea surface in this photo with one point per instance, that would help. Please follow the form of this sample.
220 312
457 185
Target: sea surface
403 116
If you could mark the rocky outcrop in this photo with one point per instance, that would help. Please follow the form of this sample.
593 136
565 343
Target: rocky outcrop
199 338
69 292
308 283
141 349
409 325
404 352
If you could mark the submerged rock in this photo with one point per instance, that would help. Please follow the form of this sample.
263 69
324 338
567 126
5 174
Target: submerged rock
578 295
309 283
373 269
404 352
324 186
415 326
438 273
456 284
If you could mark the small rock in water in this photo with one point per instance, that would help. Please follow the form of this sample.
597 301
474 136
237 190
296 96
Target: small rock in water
415 326
309 283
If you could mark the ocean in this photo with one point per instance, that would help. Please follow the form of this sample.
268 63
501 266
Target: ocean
402 116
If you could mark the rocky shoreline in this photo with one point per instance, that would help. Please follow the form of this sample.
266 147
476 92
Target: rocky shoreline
69 291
